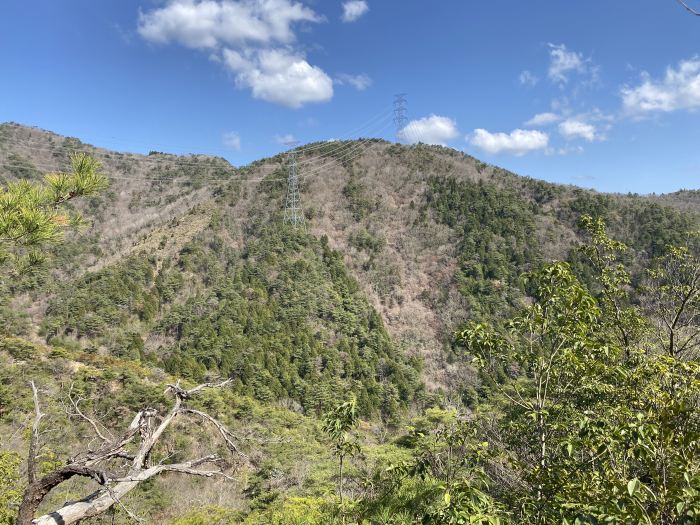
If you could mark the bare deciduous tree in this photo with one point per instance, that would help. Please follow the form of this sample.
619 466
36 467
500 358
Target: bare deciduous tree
673 300
117 464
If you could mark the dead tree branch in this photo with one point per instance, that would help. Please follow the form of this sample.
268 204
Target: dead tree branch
34 444
76 412
225 433
144 432
688 8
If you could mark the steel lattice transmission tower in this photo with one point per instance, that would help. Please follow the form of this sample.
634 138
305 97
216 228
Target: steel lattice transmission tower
400 115
293 213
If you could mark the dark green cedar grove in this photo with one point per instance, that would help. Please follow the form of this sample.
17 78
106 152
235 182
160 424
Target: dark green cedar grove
283 317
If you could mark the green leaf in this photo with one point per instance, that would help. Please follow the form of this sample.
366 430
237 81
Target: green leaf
633 486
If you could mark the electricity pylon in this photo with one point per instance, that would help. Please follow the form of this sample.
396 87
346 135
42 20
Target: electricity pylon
400 118
293 213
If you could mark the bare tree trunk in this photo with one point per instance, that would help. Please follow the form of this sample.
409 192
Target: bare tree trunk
34 439
340 487
113 486
38 489
340 481
104 498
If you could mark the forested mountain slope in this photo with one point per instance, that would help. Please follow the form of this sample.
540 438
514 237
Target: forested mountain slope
186 271
433 237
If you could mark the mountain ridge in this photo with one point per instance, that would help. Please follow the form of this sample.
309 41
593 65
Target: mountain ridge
377 203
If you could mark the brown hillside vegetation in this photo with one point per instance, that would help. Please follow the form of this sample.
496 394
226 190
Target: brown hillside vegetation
186 272
157 203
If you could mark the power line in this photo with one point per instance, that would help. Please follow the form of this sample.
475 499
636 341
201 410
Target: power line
49 169
347 157
345 152
350 154
179 162
381 126
354 150
330 160
202 151
350 135
72 135
340 152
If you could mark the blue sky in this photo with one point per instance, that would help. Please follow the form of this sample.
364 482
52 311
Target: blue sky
600 94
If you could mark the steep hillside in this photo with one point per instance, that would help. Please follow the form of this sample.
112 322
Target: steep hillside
145 191
287 452
431 236
187 271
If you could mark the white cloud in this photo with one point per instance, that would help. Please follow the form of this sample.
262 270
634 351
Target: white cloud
561 105
575 128
517 142
281 77
354 9
543 119
562 62
528 79
232 140
359 82
678 89
214 23
285 139
309 122
566 150
252 38
430 130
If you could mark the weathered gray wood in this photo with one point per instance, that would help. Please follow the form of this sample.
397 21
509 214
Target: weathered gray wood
147 429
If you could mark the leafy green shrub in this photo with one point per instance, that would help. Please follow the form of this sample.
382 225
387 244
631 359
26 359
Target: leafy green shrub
209 516
99 301
294 511
368 242
357 200
19 348
10 487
